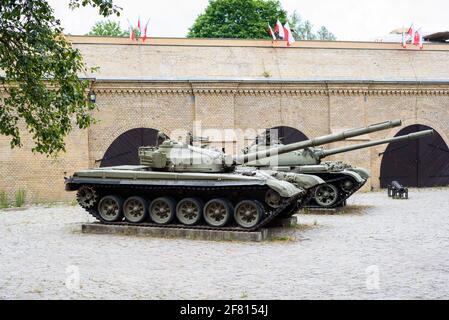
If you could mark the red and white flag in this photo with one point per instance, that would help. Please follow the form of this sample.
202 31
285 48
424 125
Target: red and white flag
144 37
421 41
270 31
138 26
132 36
404 39
280 30
416 38
411 32
288 35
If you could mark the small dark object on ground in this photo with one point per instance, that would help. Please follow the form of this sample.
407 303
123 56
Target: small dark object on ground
397 191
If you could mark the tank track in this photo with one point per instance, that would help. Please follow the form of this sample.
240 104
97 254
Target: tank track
341 202
269 216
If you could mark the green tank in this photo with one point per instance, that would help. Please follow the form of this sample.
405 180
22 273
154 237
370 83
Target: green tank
181 185
341 180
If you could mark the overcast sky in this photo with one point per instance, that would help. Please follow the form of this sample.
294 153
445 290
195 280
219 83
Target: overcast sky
347 19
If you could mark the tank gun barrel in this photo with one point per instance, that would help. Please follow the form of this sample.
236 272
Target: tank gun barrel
242 159
412 136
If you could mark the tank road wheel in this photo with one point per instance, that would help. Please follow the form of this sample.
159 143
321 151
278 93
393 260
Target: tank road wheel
217 212
87 197
326 195
163 210
135 209
347 185
189 211
110 208
248 213
273 199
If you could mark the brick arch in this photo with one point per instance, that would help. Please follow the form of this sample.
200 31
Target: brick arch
376 160
289 134
124 149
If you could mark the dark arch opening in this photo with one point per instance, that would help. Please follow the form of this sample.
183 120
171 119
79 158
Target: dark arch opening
420 163
124 149
289 135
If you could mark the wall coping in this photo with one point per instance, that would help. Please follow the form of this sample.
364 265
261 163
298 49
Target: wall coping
200 42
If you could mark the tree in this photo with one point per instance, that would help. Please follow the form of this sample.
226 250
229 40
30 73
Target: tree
39 73
244 19
303 30
108 28
325 34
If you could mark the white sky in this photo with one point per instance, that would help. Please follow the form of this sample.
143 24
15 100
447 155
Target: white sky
347 19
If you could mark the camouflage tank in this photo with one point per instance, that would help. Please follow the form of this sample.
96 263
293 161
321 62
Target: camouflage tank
342 180
178 184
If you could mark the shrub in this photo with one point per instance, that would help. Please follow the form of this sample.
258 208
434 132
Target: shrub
3 200
20 198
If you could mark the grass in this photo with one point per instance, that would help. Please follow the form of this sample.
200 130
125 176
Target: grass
3 200
282 239
348 210
20 198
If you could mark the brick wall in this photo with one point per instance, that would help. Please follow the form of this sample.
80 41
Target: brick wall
164 91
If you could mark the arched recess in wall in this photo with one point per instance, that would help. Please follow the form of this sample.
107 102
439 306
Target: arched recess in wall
124 149
289 135
419 163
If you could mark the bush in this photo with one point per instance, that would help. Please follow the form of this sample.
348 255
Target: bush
3 200
20 198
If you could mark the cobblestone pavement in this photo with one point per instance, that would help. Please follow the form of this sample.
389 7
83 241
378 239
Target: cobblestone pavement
380 248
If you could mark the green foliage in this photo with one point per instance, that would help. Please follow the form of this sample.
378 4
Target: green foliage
3 200
40 74
108 28
325 34
303 30
20 198
244 19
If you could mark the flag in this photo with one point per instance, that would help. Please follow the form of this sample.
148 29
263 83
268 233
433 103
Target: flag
280 30
421 41
270 31
132 36
288 35
145 31
404 40
138 26
416 38
410 31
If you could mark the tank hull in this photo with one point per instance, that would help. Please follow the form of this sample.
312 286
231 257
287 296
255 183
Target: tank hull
340 184
109 193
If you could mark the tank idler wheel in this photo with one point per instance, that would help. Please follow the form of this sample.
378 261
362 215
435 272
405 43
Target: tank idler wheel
135 209
217 212
347 185
110 208
248 213
273 199
326 195
163 210
189 211
87 197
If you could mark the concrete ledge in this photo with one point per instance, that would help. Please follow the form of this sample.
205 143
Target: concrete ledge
194 234
317 211
284 223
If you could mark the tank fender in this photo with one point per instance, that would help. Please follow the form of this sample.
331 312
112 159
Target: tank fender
354 174
305 181
365 174
284 188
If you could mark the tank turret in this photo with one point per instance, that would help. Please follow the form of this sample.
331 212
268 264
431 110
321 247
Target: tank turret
175 156
342 180
313 156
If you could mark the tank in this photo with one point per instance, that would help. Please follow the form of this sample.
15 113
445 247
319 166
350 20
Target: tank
181 185
341 180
